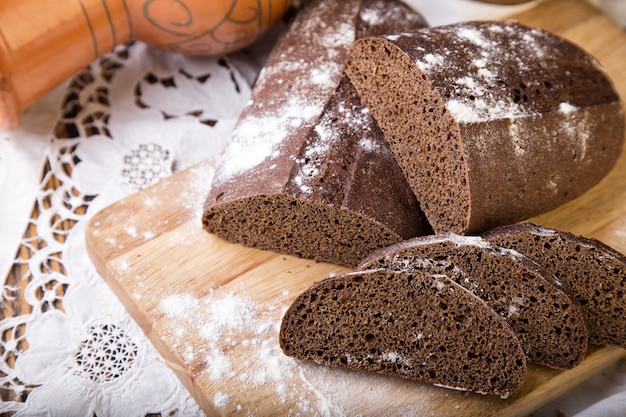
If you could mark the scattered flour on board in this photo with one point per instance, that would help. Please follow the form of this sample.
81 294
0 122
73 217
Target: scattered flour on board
191 192
196 186
221 400
124 266
235 344
176 306
131 230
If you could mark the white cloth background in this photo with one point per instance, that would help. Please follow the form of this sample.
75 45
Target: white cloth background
135 116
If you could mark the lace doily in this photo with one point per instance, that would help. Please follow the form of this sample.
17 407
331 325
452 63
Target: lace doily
135 116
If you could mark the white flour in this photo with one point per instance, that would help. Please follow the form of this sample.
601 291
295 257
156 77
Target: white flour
279 110
234 343
479 96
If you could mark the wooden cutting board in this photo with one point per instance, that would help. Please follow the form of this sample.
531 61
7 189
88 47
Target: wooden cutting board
213 309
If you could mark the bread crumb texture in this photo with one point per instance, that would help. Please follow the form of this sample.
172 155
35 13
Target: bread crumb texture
547 321
491 122
409 324
593 272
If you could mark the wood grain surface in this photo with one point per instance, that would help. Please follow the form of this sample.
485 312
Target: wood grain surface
212 308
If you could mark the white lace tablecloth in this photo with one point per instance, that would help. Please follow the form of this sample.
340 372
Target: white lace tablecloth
135 116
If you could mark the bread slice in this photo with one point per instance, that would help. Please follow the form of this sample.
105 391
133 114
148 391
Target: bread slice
548 322
409 324
307 171
593 272
491 122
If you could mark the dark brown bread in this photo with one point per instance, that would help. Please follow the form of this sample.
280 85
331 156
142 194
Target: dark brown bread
594 273
409 324
491 122
548 323
308 172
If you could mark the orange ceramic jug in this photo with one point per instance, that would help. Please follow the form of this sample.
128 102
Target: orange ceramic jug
43 43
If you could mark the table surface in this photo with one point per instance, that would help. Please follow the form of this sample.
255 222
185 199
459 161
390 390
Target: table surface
132 118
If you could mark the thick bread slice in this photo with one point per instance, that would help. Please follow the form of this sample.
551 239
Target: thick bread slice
548 322
409 324
594 273
307 171
491 122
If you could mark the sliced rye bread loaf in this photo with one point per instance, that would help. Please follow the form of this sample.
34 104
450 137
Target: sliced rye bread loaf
410 324
548 322
593 272
491 122
308 172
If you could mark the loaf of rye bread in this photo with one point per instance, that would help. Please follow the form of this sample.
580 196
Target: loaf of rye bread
548 322
409 324
594 273
491 122
307 171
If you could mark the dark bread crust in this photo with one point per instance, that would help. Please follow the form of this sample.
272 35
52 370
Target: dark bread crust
548 322
329 188
409 324
491 122
594 273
